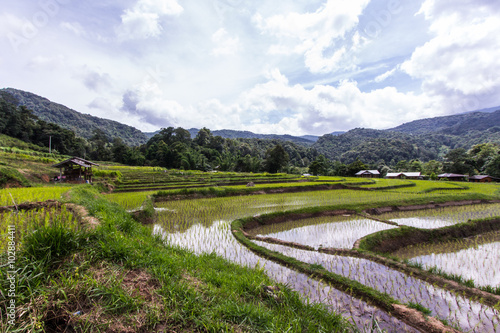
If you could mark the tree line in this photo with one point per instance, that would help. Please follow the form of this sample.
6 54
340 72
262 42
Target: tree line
483 158
174 148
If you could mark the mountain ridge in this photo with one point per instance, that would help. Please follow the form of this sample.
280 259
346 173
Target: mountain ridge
424 139
82 124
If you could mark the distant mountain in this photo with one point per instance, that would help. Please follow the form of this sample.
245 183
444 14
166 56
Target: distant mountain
423 139
82 124
232 134
312 138
456 124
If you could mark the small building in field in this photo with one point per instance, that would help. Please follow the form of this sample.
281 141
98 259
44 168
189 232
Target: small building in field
368 174
404 175
481 179
75 169
452 176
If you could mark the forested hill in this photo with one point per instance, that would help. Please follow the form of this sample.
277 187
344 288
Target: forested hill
232 134
82 124
426 139
459 124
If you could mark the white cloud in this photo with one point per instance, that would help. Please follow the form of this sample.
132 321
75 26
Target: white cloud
324 109
384 76
461 60
224 44
74 27
143 20
323 37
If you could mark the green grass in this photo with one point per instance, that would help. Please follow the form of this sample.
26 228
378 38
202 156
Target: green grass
419 307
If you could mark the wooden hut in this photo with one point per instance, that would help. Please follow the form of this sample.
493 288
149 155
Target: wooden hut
481 179
75 169
452 176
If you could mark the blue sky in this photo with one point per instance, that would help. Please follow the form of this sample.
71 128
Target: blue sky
287 67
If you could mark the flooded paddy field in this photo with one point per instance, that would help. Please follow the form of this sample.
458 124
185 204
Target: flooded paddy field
203 226
326 231
217 238
473 258
456 310
184 213
442 217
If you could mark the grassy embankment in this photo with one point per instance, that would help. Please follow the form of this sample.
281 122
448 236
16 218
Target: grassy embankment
119 277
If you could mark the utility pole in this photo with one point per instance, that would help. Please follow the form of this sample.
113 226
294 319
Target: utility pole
50 144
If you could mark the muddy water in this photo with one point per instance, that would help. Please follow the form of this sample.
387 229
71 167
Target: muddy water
458 311
219 239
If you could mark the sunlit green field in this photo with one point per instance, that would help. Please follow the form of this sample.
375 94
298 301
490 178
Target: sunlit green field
14 196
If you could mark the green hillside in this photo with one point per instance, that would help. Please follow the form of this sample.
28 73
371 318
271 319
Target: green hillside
82 124
459 124
411 142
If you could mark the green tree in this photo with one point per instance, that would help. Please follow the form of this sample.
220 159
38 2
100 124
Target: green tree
320 166
355 167
432 167
458 162
276 158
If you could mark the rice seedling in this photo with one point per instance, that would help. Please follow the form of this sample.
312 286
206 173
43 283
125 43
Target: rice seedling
218 239
9 196
26 223
462 312
475 263
129 200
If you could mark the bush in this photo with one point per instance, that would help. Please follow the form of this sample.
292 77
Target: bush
8 174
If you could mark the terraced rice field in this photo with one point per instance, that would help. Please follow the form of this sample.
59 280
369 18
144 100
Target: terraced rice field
204 226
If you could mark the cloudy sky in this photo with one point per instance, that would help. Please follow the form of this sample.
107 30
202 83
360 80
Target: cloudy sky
282 66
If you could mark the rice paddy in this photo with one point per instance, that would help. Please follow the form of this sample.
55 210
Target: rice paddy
15 196
27 222
442 217
327 231
203 225
456 310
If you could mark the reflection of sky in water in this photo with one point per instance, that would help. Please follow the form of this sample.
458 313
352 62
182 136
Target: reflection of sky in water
336 234
468 315
425 222
481 264
442 217
218 239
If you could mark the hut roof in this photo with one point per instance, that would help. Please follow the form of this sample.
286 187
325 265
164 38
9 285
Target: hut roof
450 175
393 174
412 174
373 172
479 177
75 160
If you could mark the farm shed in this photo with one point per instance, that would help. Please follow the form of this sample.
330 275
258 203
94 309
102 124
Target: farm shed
400 175
452 176
368 174
75 169
481 179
